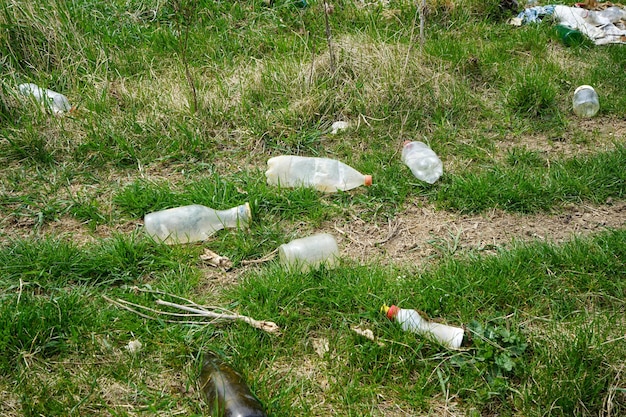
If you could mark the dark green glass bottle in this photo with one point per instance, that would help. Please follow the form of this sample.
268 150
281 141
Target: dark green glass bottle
226 391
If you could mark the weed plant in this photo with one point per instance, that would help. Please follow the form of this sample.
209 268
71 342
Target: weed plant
183 102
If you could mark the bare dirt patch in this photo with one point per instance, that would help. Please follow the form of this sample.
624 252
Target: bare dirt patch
586 136
420 233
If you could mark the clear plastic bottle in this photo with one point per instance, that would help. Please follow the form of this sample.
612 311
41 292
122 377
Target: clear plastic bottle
324 174
226 391
194 222
423 161
56 102
410 320
309 252
585 101
611 14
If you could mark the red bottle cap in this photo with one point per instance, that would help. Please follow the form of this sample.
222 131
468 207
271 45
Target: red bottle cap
393 310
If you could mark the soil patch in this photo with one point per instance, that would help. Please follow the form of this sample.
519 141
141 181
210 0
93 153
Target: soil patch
421 234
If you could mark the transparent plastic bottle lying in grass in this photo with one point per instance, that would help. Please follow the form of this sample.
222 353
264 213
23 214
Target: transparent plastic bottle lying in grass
323 174
410 320
54 101
309 252
422 161
226 392
585 101
194 222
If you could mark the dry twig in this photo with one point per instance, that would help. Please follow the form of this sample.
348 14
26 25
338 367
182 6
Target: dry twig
192 310
266 258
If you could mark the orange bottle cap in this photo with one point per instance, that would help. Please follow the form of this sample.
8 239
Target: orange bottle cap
368 180
393 310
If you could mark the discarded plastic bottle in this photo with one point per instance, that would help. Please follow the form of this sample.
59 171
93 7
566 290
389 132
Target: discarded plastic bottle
410 320
56 102
226 392
613 14
194 222
309 252
585 101
604 17
323 174
423 161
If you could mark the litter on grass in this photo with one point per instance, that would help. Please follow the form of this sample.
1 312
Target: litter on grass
339 126
226 391
411 320
51 100
134 346
602 25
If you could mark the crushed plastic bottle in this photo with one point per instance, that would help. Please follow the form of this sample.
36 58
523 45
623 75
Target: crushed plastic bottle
54 101
323 174
410 320
613 14
309 252
226 391
423 161
604 17
194 222
585 101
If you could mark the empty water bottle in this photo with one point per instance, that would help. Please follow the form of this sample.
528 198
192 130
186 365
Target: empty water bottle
410 320
585 101
323 174
194 222
423 161
226 391
54 101
309 252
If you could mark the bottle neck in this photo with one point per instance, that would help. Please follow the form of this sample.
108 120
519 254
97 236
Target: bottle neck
235 216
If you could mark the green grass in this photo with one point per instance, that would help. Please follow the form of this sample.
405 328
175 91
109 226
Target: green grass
492 100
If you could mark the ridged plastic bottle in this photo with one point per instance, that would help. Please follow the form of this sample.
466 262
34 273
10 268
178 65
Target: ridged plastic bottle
585 101
226 392
423 161
194 222
410 320
56 102
309 252
323 174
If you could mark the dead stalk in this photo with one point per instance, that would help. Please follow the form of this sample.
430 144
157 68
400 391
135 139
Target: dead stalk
422 23
192 310
329 38
187 12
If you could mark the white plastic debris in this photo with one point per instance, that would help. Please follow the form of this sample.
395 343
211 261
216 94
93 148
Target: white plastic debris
54 101
134 346
338 126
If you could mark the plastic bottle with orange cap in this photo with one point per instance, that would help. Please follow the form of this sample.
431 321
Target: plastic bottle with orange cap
324 174
54 101
411 320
